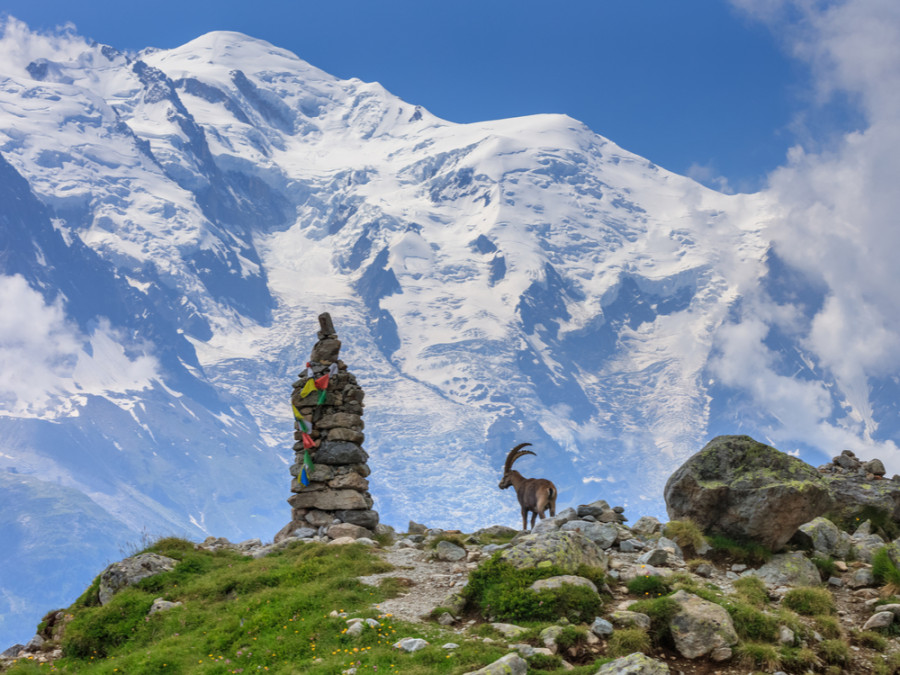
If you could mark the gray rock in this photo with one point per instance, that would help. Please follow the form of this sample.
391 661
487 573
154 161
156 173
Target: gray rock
12 652
823 536
879 620
786 636
450 645
548 637
511 664
594 509
853 492
626 619
35 643
348 530
450 552
328 500
862 578
356 629
363 517
866 546
669 545
875 467
416 528
646 526
446 619
602 534
130 571
741 488
601 627
496 531
634 664
631 545
552 583
411 644
340 453
160 605
656 556
789 569
700 627
509 630
568 550
704 570
303 533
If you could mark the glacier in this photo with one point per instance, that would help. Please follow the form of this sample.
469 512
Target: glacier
173 221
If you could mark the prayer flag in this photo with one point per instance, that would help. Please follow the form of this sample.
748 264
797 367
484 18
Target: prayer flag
322 382
303 477
322 395
308 388
307 461
333 369
308 442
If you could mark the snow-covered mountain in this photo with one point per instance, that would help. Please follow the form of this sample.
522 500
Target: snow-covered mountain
172 222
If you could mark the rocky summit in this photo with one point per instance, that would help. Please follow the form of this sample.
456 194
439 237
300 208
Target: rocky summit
732 584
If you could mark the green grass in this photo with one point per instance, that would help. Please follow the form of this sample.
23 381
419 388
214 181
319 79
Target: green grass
825 566
752 590
884 570
746 552
497 590
686 533
758 655
648 586
834 652
809 601
625 641
253 615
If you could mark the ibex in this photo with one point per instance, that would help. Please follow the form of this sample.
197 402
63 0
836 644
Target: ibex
535 494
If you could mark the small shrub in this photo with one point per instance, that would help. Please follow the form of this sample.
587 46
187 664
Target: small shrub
686 533
758 655
835 652
95 631
746 552
825 566
649 585
625 641
886 665
497 589
750 623
884 570
544 662
871 640
570 636
809 601
800 660
660 611
752 590
828 626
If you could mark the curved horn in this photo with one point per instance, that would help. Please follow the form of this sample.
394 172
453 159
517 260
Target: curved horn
514 454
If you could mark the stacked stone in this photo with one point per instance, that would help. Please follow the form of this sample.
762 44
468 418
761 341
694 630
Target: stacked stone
336 502
848 463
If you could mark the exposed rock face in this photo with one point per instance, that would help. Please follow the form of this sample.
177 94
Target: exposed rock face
789 569
568 550
634 664
700 627
741 488
856 486
337 489
130 571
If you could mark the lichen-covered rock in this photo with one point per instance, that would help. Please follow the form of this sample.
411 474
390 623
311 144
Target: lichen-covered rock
788 569
553 583
624 618
854 492
567 550
700 627
741 488
646 525
329 500
130 571
602 534
823 536
634 664
449 552
511 664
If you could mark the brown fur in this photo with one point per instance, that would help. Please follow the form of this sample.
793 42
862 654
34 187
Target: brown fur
536 495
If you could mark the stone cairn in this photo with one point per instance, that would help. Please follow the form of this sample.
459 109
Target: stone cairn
336 502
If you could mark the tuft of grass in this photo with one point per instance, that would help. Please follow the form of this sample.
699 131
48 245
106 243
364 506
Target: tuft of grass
458 539
758 655
571 636
871 640
746 552
885 571
660 611
625 641
809 601
752 590
825 566
497 589
649 585
539 662
886 665
799 659
686 533
828 626
834 652
751 623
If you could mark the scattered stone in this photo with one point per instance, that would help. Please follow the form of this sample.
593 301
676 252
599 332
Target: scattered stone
548 637
601 627
879 620
509 630
160 605
634 664
789 569
700 627
411 644
646 526
552 583
624 618
449 552
511 664
446 619
656 556
631 545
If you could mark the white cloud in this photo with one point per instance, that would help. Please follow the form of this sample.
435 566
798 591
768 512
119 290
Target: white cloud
837 205
707 175
46 363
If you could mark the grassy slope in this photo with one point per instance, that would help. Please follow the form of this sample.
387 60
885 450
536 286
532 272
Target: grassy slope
244 615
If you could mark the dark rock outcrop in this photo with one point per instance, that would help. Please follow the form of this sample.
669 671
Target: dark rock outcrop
744 489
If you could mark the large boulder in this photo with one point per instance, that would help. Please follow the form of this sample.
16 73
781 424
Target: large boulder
854 493
130 571
823 536
699 626
567 550
788 569
744 489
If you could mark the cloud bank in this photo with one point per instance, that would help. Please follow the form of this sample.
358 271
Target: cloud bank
836 205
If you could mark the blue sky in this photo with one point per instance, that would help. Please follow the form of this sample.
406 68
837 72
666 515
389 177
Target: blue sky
697 87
